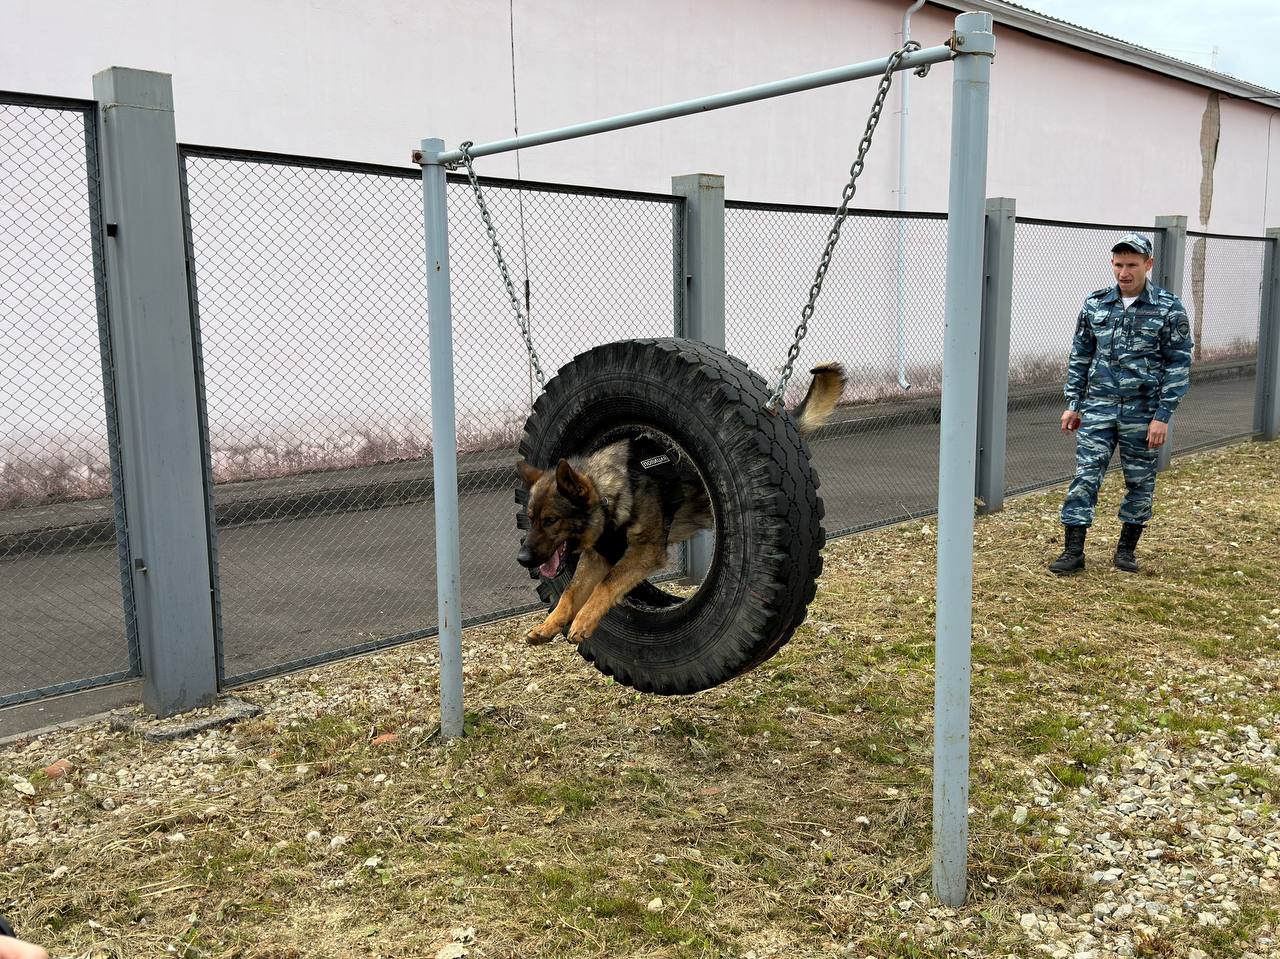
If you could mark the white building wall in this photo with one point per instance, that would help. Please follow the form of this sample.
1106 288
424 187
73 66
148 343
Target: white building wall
365 81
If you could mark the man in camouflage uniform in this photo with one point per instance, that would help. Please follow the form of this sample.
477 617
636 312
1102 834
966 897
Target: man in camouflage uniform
1130 366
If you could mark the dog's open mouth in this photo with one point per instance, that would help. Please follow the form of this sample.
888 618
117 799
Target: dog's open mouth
552 566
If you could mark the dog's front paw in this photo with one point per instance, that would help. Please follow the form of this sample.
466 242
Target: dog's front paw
582 629
539 637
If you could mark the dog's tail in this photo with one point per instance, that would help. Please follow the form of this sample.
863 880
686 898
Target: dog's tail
824 392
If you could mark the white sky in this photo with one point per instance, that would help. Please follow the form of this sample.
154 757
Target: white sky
1246 33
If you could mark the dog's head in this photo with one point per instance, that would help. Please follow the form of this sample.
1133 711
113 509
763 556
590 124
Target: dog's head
561 503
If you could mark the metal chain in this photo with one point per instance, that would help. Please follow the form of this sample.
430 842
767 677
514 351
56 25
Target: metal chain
886 81
502 264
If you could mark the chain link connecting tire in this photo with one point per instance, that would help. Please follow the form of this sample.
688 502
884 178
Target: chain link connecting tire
763 491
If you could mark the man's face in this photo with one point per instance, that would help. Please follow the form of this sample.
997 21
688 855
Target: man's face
1131 271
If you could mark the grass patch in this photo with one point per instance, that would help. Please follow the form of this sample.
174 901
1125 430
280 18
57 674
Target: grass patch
785 813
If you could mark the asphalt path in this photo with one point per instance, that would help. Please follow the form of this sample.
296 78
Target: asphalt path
305 587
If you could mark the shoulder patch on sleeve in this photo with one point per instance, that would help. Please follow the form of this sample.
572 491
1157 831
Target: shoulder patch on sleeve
1184 326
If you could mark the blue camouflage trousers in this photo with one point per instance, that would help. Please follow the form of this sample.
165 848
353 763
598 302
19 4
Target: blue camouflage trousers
1105 423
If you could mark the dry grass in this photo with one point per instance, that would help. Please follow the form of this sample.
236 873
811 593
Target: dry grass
785 813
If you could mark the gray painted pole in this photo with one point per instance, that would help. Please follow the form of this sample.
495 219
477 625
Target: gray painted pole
993 376
975 47
149 317
1170 252
1266 415
444 442
704 298
810 81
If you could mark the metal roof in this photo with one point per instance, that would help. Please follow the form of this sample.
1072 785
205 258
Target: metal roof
1073 35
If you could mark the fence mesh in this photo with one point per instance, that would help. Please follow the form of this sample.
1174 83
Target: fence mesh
1055 267
878 458
1222 291
311 293
308 279
63 621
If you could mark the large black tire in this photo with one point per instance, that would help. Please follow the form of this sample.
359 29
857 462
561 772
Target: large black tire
762 487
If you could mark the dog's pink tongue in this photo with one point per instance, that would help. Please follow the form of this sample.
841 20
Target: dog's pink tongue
552 566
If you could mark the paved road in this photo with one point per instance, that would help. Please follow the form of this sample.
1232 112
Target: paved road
306 586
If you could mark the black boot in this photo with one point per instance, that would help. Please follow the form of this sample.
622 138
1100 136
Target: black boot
1072 558
1128 542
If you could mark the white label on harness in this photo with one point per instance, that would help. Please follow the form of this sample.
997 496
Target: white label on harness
653 461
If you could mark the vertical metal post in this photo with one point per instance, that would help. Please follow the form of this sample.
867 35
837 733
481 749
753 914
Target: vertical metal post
1170 252
703 273
993 374
1266 407
703 255
970 91
150 332
444 439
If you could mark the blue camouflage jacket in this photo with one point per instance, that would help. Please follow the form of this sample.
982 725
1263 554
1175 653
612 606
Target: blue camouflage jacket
1144 351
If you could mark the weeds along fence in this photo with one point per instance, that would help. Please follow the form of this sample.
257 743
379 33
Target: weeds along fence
307 289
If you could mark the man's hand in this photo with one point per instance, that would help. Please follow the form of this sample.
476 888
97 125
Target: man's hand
1070 421
17 949
1157 433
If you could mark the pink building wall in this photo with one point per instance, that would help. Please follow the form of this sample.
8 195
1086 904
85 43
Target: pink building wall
335 79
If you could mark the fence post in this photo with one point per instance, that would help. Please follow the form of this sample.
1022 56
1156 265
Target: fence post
993 360
1266 407
703 315
150 329
1170 251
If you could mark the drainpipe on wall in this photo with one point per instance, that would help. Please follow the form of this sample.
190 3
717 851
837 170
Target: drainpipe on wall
902 205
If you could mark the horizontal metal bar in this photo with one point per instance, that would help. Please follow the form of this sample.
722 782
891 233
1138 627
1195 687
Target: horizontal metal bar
1130 228
1227 236
566 189
40 101
763 91
236 155
59 689
1078 225
374 646
261 158
762 207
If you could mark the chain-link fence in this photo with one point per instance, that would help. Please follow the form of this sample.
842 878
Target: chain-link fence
311 297
1222 291
880 314
64 624
1056 265
308 284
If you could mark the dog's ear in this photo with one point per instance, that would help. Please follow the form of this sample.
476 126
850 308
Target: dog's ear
570 482
528 474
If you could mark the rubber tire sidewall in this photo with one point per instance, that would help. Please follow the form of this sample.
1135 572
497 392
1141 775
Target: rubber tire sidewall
763 491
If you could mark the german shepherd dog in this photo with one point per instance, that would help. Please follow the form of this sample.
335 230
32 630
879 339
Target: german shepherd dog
618 516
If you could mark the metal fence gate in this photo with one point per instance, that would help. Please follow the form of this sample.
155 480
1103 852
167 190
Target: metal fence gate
308 279
66 603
